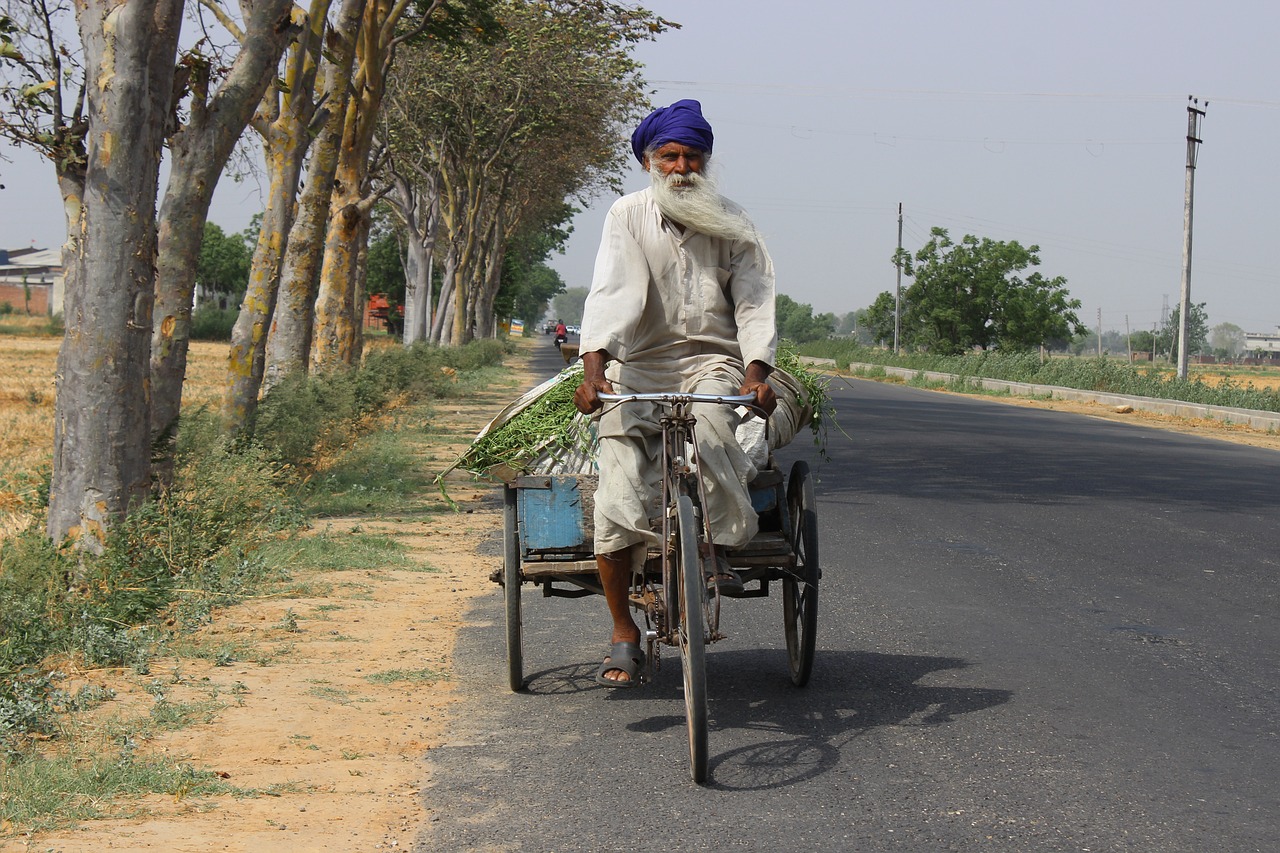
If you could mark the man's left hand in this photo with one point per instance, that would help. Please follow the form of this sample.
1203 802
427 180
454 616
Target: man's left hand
755 383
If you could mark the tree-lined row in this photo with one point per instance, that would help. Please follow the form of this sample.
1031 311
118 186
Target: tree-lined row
479 121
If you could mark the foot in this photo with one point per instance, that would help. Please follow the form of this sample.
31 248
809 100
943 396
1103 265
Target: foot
621 667
719 574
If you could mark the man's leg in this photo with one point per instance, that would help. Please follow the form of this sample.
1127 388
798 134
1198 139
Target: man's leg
615 577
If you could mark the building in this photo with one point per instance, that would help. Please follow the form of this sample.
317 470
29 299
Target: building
31 280
1265 344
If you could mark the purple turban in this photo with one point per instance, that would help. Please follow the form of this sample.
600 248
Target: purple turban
681 122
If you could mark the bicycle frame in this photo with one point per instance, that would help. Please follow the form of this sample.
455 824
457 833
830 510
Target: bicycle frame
681 475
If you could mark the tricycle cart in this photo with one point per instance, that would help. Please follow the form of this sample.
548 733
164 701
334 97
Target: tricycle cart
548 543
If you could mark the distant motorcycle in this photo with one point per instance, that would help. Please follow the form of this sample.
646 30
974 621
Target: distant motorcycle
561 338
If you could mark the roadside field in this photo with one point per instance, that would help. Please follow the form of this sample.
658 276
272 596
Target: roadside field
27 365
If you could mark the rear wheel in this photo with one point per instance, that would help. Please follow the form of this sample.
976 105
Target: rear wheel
692 639
800 590
511 589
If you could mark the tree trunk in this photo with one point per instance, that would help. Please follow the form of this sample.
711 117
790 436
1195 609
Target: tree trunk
249 335
101 444
289 344
198 152
332 336
416 210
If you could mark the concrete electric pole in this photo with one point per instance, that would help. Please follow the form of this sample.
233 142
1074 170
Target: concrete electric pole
897 291
1194 115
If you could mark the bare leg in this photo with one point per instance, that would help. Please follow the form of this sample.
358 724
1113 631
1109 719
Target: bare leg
615 577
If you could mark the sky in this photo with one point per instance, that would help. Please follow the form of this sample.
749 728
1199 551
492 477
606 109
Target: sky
1061 125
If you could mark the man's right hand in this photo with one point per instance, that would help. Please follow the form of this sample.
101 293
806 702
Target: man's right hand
586 398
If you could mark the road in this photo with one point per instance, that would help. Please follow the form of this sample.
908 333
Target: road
1037 631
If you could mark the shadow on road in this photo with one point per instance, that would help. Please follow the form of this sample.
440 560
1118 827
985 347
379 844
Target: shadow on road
773 734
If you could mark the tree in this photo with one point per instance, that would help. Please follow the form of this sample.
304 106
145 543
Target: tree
1226 340
878 319
1197 331
513 128
1142 341
971 294
102 436
198 151
223 264
797 322
289 338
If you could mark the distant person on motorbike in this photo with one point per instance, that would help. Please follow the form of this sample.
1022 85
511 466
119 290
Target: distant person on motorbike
562 333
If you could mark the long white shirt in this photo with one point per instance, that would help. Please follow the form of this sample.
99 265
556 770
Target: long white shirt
659 295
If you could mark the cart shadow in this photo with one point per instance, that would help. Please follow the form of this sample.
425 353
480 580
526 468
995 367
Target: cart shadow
798 734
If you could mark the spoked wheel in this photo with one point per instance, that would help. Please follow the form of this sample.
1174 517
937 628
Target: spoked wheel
692 640
511 589
800 591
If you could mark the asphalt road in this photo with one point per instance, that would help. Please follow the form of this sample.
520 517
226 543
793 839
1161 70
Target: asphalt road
1037 631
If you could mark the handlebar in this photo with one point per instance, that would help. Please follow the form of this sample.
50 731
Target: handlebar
673 398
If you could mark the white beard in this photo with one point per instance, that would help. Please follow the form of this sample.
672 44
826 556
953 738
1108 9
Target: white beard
692 201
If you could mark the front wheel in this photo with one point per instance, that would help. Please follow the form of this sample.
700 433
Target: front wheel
692 639
800 589
511 589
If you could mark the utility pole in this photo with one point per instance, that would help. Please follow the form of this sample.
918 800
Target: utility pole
1128 338
897 291
1099 333
1194 115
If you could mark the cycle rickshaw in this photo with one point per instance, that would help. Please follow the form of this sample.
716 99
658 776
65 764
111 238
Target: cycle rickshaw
548 538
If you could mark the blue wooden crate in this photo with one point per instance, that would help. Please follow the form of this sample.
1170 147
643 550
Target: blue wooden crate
555 513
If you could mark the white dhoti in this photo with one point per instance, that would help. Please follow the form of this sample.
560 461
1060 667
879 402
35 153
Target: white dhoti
628 499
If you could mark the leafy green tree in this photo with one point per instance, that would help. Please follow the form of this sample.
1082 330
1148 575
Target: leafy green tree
223 264
1142 341
974 294
798 323
384 270
528 284
877 320
1197 331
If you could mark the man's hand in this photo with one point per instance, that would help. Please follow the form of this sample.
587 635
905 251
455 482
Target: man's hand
754 383
593 383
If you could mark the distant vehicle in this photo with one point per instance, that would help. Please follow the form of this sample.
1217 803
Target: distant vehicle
575 330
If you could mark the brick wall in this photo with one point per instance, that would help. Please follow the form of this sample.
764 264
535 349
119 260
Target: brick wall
36 303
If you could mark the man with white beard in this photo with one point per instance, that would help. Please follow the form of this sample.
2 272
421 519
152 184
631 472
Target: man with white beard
682 300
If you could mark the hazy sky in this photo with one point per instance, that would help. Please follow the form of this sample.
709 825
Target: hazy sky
1050 123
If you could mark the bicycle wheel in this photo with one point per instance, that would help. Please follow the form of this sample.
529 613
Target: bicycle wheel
692 639
800 590
511 589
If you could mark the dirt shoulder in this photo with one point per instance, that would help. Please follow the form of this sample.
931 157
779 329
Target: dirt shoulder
339 694
350 687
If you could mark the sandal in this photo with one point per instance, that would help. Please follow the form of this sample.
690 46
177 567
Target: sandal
725 579
625 657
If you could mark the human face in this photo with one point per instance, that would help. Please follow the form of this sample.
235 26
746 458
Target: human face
675 158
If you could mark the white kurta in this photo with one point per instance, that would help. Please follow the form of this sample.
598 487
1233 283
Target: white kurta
680 312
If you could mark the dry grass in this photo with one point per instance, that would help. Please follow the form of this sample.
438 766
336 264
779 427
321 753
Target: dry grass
27 363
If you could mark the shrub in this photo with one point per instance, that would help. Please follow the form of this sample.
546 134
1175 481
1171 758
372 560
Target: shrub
209 323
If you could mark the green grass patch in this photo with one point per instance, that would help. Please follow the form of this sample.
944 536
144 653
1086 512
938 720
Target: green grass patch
59 791
413 676
1087 374
331 552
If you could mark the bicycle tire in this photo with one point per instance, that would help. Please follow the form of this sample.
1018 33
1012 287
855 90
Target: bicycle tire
511 590
800 590
692 637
